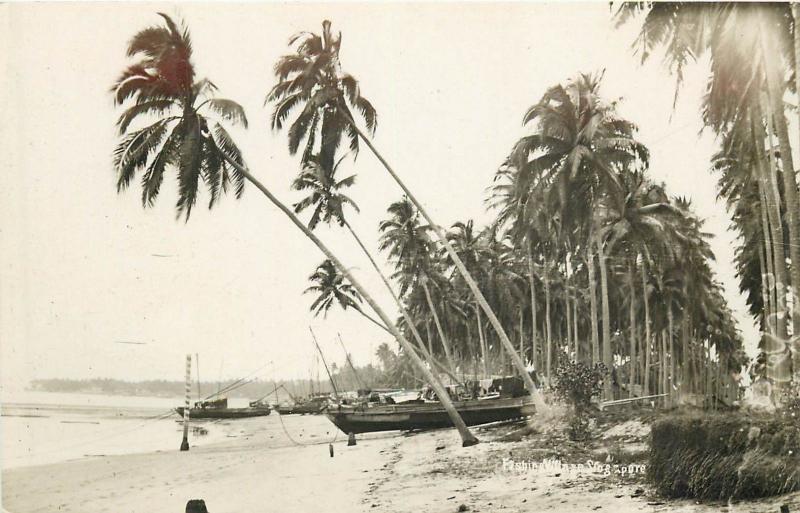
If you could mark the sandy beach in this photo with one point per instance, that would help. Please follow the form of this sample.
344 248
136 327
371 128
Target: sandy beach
242 474
386 473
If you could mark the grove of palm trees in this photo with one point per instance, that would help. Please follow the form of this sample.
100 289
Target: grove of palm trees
587 261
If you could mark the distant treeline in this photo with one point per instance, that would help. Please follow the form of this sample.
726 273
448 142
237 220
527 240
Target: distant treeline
368 376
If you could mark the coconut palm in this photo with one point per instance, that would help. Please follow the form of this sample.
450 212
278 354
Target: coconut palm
752 50
332 288
325 193
311 80
414 257
161 55
185 135
312 76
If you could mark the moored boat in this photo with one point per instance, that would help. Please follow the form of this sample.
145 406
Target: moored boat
218 409
313 406
426 415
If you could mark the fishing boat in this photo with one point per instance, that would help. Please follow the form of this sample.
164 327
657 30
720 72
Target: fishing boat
218 409
366 418
312 406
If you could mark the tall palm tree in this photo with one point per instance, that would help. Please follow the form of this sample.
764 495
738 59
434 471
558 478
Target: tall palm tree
161 84
325 193
408 245
577 148
311 80
332 288
752 50
313 76
176 70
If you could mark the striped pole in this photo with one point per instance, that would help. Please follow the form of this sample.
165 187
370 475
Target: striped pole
185 442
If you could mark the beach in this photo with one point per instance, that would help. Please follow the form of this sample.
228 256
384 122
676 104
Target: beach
262 469
242 474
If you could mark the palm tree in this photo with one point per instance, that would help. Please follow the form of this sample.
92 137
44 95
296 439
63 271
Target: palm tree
162 84
324 193
414 256
311 80
168 50
312 76
576 150
332 288
751 47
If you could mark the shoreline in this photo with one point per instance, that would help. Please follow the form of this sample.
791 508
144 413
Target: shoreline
232 476
384 473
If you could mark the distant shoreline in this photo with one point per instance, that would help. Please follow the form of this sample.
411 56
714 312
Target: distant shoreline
169 389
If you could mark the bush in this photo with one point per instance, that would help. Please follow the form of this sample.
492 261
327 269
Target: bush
577 383
721 457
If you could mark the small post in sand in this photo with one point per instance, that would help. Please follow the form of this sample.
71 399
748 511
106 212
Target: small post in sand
351 439
185 442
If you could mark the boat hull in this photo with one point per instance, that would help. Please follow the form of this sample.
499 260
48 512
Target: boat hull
224 413
426 416
299 410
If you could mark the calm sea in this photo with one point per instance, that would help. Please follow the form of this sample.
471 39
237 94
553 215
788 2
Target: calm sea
44 427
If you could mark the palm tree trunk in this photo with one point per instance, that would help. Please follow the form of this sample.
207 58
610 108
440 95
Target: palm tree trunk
765 299
548 327
467 438
482 340
685 371
632 324
442 336
607 353
593 302
429 333
775 90
768 264
371 319
440 234
671 382
646 331
521 333
779 263
567 306
575 325
534 324
664 367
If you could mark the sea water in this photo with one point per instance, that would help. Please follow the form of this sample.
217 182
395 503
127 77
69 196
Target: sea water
45 427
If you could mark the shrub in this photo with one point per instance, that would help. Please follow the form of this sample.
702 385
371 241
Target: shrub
720 457
577 383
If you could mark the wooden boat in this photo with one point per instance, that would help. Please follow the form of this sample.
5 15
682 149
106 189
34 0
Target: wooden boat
313 406
426 415
218 409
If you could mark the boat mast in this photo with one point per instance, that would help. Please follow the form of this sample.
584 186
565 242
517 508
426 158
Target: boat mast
350 363
335 392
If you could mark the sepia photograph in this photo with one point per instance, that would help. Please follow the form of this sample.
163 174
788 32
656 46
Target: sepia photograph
400 257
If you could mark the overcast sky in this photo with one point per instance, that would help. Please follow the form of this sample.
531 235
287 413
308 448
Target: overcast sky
84 268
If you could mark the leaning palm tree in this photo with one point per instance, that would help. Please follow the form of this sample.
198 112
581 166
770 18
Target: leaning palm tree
162 85
310 80
325 193
313 77
166 69
332 288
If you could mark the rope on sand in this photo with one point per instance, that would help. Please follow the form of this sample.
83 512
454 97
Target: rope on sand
286 432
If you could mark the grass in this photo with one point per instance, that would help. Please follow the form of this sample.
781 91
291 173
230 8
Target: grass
724 456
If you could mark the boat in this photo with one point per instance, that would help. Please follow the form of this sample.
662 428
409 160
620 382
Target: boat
366 418
312 406
218 409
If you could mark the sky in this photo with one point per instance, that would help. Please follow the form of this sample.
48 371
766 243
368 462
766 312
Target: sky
83 268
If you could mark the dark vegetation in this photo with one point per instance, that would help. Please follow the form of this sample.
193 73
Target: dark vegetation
721 457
